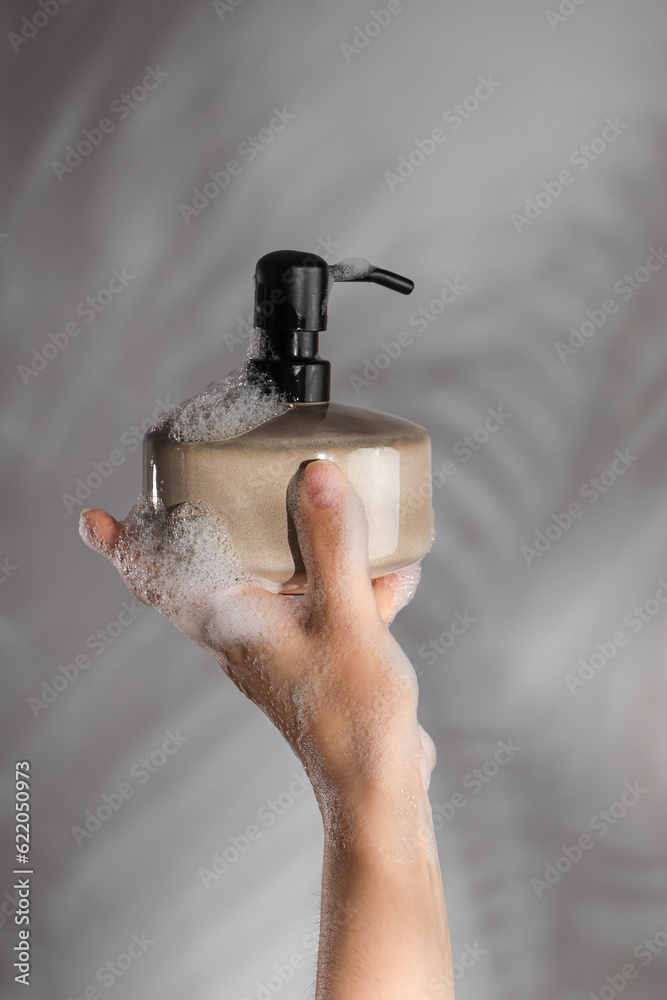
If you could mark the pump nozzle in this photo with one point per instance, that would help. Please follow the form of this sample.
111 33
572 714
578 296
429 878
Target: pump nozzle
291 298
345 271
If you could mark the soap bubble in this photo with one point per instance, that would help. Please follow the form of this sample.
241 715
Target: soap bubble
351 269
234 405
403 585
181 562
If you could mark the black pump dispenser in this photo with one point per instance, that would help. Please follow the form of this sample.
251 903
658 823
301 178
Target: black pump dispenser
291 297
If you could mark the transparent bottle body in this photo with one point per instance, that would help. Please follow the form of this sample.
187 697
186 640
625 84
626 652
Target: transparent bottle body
245 479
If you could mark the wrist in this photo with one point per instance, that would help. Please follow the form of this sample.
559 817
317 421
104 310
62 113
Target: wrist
384 921
350 752
389 818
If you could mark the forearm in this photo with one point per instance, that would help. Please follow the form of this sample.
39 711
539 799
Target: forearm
384 930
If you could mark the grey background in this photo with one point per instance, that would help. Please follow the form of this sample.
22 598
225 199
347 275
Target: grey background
322 179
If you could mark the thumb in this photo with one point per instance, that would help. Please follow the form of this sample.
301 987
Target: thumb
333 536
100 531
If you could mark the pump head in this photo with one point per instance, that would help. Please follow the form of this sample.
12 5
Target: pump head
291 298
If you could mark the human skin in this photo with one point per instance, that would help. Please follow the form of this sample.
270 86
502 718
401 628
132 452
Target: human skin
327 672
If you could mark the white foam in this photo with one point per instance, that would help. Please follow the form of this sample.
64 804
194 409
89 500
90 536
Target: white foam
180 562
349 269
225 409
403 584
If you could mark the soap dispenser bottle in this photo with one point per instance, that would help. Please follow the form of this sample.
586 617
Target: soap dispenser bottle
245 476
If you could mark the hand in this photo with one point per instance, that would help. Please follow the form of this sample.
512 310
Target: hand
324 667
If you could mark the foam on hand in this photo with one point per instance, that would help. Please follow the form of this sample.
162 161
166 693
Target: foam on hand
403 585
180 562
